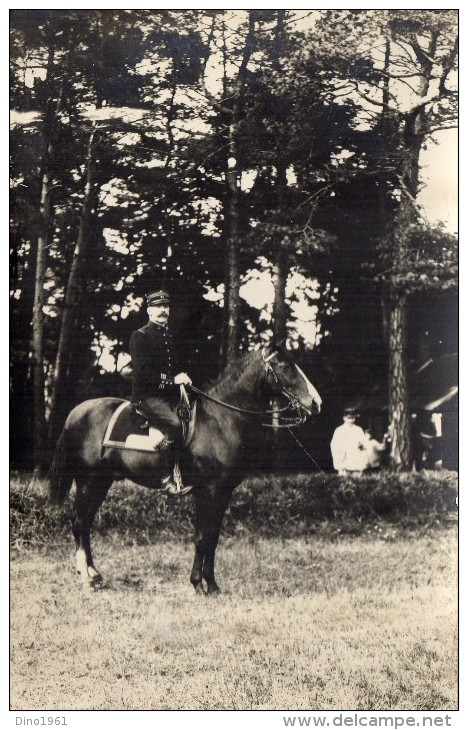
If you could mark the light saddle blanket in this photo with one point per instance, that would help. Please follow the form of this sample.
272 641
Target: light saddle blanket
117 439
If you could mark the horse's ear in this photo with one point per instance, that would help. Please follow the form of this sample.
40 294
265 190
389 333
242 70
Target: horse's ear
272 345
273 348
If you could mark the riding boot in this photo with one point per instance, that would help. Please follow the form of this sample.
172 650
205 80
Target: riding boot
172 434
171 481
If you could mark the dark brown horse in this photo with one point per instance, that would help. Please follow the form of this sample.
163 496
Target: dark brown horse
217 453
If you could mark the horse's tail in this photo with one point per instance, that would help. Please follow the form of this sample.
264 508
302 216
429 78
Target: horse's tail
60 477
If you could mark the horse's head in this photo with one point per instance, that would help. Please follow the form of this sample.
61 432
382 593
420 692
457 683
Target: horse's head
285 377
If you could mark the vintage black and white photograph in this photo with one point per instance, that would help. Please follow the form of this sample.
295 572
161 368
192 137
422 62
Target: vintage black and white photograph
234 360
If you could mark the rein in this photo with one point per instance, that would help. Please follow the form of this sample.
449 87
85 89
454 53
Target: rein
235 408
292 402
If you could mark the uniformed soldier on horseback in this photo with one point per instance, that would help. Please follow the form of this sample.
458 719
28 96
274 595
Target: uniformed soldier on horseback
153 372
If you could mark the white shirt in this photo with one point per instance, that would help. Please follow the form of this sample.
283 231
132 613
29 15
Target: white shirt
348 447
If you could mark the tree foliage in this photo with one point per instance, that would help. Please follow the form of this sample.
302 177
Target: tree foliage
223 143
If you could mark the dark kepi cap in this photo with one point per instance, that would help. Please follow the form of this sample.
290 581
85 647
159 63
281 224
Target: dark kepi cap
351 412
157 298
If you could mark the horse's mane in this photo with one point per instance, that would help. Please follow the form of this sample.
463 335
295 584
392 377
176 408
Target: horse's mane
234 375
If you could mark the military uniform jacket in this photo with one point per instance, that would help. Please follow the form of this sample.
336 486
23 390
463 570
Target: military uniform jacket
153 365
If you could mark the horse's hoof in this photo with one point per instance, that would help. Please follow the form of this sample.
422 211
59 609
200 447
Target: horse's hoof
87 586
94 574
92 582
199 590
213 589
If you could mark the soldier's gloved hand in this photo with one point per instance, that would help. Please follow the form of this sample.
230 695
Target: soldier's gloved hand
182 379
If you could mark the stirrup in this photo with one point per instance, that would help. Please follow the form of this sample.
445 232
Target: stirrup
172 483
172 489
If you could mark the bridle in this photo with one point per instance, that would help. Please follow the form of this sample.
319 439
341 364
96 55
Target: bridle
293 404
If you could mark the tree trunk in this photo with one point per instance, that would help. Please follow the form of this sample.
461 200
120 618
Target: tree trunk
50 118
280 260
395 305
279 277
280 314
399 408
230 345
398 395
38 327
232 275
73 296
397 331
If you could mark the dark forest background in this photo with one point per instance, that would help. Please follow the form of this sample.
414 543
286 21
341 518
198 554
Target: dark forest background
186 149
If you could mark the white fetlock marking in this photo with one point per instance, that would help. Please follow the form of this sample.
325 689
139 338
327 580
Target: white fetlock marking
81 564
92 572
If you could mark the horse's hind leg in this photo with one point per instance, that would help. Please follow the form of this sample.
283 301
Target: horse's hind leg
90 494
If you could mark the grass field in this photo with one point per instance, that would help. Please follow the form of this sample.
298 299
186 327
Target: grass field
365 623
337 594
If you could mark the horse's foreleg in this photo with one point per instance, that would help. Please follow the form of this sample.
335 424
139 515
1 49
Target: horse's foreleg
90 494
197 567
196 575
211 506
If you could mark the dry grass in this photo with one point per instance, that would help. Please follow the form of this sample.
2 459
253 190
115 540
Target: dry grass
303 624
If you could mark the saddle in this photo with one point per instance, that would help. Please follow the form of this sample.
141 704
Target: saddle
128 430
